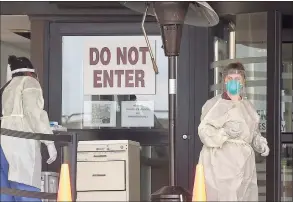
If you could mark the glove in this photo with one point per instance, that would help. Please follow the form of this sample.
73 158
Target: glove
265 149
233 129
52 153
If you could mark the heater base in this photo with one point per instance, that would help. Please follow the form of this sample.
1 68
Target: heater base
171 193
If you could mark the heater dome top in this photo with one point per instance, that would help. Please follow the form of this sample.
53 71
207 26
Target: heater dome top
199 13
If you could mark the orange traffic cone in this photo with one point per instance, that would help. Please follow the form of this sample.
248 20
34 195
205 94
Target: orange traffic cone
199 188
64 190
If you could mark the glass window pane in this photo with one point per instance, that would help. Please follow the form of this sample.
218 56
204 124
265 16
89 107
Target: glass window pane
287 168
243 39
221 53
287 91
76 104
251 49
110 109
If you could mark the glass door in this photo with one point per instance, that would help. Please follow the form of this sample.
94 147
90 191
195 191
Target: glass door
102 115
243 38
287 117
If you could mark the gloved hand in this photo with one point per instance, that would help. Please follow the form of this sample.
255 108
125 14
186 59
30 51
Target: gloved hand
52 153
233 128
265 149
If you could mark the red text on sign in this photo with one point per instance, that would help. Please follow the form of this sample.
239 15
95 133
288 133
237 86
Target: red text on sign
113 78
131 55
124 55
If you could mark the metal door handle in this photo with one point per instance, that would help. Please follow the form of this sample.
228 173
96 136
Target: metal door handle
100 155
99 175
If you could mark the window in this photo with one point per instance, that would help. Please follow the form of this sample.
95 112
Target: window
287 165
110 108
286 106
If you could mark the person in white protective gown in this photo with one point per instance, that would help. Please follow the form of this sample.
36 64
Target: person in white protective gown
230 136
22 110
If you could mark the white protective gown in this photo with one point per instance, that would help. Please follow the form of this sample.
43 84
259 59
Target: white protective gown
229 163
23 103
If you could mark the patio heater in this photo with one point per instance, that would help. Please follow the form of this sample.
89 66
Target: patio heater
171 16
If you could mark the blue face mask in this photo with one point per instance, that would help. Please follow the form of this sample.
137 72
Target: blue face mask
233 87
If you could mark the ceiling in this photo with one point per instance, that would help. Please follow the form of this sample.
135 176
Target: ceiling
12 23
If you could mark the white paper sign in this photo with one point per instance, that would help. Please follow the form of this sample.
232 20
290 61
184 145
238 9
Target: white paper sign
137 114
99 114
118 65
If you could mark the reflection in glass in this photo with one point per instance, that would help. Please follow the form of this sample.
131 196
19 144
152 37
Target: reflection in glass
249 48
154 170
145 174
287 167
73 98
221 52
287 83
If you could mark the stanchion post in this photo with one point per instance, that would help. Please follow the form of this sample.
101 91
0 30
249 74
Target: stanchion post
65 154
73 165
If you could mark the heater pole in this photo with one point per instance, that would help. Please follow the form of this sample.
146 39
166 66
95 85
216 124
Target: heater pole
172 63
170 16
172 192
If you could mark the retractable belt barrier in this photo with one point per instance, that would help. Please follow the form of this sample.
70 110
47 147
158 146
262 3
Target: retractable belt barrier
64 138
28 194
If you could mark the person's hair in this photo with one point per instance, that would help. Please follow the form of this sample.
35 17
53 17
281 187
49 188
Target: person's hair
26 62
21 62
12 59
237 66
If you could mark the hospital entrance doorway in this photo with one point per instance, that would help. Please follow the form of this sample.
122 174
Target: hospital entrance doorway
266 53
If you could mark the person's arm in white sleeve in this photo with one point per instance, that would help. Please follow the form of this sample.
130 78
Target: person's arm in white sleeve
260 144
210 134
37 117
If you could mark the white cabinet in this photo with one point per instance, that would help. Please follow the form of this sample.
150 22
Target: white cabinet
108 171
101 176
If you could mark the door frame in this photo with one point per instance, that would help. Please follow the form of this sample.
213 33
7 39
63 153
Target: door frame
192 79
273 130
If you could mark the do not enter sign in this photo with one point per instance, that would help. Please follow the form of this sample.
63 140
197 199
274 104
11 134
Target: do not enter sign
118 65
